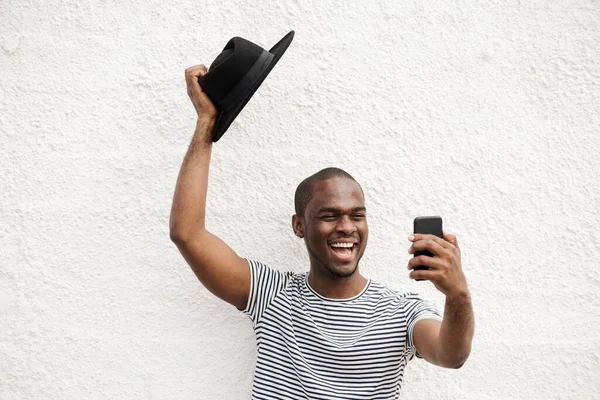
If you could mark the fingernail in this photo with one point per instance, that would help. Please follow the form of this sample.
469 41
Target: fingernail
411 238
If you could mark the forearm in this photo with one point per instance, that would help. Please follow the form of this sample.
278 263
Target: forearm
189 201
456 331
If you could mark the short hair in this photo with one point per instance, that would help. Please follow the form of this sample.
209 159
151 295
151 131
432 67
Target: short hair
304 191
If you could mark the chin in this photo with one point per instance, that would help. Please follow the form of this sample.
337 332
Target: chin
341 272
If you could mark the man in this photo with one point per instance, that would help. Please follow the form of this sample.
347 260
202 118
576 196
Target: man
330 333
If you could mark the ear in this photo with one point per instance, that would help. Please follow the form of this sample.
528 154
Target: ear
298 226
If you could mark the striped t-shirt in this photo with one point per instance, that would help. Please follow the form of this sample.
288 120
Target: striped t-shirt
312 347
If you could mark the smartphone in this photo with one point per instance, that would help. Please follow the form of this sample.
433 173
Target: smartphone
427 225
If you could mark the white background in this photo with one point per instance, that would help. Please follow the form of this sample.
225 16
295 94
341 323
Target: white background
484 112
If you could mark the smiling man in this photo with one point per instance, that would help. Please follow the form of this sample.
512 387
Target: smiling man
329 333
332 218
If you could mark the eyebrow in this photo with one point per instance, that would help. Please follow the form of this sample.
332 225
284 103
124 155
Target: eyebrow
338 210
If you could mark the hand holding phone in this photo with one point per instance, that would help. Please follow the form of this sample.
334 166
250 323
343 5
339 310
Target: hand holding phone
429 226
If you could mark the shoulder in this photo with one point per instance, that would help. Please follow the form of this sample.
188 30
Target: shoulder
384 295
261 271
385 291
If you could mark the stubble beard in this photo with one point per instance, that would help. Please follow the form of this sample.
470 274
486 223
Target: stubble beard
338 274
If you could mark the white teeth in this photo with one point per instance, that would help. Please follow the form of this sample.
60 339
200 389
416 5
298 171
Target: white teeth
347 245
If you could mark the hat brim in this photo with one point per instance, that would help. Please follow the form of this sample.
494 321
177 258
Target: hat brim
226 117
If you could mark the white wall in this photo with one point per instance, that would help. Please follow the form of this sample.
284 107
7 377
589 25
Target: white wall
486 113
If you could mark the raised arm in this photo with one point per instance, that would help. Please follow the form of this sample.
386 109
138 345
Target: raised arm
215 264
447 344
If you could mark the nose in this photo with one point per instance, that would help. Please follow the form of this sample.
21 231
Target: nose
346 225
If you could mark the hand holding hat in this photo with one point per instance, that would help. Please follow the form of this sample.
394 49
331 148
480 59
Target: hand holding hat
202 103
233 78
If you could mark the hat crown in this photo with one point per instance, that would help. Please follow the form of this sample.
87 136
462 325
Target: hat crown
229 67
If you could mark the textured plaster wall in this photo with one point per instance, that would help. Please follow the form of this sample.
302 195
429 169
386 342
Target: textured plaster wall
484 112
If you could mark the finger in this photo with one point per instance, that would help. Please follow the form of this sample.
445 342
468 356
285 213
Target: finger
422 274
425 261
196 68
193 73
450 238
427 244
423 236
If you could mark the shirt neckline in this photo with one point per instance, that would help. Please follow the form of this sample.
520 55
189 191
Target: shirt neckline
336 300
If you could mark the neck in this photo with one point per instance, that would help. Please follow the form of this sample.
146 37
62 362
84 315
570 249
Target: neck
335 287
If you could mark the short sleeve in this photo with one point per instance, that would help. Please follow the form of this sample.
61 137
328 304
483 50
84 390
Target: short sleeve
265 284
416 309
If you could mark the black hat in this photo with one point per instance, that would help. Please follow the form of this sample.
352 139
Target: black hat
235 75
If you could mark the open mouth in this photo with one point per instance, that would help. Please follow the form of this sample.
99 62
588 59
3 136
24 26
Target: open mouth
342 251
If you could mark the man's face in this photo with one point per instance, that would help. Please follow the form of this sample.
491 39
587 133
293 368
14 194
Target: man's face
334 227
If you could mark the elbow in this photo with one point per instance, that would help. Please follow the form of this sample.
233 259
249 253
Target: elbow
451 364
177 236
179 231
182 237
457 363
453 360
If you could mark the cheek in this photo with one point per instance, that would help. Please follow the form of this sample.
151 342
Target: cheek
318 233
364 231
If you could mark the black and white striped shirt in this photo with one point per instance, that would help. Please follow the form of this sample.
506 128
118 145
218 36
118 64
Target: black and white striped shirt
312 347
